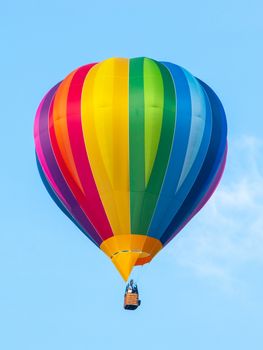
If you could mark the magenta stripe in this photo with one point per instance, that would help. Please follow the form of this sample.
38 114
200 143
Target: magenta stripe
40 154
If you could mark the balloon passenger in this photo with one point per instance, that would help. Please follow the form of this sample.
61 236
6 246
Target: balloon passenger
131 287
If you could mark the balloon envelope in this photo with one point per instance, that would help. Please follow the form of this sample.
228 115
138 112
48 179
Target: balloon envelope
130 150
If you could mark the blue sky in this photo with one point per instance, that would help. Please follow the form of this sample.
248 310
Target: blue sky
204 291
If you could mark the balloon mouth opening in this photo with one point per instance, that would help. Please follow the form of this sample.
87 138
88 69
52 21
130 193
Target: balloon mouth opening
129 250
137 251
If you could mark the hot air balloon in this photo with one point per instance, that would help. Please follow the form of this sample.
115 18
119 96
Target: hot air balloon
130 150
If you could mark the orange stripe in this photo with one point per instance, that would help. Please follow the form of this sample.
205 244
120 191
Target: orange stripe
61 128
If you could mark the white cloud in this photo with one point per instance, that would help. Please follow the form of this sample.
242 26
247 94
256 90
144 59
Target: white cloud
228 232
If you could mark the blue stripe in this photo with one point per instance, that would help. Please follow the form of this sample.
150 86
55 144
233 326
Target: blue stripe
179 196
56 199
182 193
178 151
197 124
210 167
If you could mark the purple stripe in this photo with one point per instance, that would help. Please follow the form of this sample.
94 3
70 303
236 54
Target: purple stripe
73 207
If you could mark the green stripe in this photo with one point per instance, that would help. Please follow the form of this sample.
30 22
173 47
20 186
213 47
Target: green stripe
167 132
159 107
136 139
153 99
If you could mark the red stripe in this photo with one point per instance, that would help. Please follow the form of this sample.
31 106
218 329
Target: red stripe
94 206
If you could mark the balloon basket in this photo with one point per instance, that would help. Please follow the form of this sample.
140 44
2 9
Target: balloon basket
131 301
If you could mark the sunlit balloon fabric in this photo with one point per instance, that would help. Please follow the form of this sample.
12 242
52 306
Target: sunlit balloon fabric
130 150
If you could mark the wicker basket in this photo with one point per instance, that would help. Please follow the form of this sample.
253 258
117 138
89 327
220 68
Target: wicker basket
131 301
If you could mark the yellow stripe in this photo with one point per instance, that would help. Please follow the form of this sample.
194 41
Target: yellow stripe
105 127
